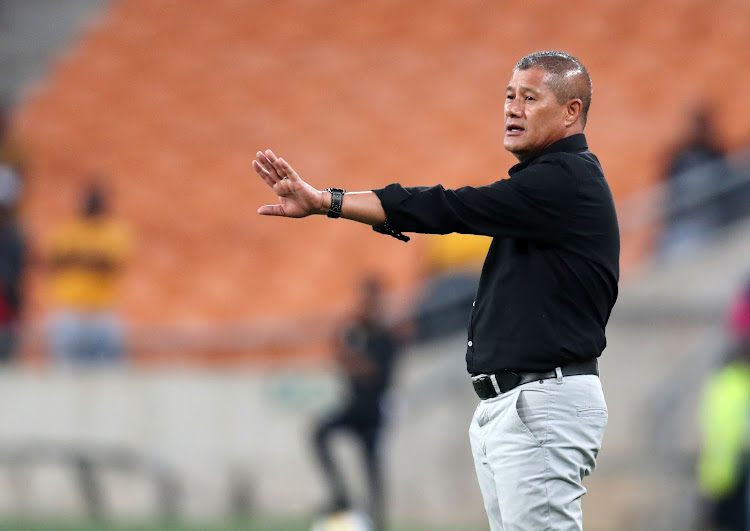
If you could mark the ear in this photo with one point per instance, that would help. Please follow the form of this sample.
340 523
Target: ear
573 112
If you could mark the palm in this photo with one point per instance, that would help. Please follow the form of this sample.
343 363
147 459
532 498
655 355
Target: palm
297 202
297 199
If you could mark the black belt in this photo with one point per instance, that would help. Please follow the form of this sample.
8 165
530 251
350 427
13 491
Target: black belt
507 380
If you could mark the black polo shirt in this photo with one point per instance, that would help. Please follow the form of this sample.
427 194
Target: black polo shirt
549 281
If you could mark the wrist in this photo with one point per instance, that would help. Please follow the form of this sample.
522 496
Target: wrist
325 203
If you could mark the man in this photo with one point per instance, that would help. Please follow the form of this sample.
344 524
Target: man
723 464
548 285
86 258
12 263
694 204
12 242
366 352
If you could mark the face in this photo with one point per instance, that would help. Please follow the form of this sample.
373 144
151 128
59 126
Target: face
533 117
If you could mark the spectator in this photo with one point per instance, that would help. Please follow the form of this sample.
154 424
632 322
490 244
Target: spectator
86 258
12 252
12 259
725 415
695 206
366 351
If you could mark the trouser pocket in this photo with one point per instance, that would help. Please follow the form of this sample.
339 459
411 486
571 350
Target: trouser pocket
532 412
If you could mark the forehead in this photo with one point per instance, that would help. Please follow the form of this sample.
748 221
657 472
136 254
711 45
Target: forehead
532 78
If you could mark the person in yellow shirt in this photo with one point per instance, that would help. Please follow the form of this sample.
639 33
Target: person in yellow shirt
86 257
723 471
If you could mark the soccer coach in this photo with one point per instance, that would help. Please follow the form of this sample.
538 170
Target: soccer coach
547 288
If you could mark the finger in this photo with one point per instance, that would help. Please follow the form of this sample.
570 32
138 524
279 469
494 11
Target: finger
281 169
289 171
278 165
260 170
270 158
268 166
273 166
270 155
271 210
265 161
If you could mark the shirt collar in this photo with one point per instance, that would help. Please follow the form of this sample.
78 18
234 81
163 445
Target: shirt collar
569 144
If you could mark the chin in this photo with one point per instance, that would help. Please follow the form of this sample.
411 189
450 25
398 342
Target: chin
514 149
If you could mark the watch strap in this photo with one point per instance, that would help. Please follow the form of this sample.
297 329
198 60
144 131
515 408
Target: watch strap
337 199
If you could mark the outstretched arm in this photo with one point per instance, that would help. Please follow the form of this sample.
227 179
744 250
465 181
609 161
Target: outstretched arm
297 199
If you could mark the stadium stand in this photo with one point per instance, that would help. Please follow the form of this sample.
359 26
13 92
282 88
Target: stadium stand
171 99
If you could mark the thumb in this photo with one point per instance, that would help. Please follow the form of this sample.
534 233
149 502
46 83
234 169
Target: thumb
271 210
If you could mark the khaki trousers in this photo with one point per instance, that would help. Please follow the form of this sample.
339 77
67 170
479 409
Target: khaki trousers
533 446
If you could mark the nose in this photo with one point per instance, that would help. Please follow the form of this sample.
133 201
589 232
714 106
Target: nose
513 108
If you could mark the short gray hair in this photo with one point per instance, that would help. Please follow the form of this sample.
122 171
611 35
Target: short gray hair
568 78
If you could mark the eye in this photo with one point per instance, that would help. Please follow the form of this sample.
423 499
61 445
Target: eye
529 98
509 96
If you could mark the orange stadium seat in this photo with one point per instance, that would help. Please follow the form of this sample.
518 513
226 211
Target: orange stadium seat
171 99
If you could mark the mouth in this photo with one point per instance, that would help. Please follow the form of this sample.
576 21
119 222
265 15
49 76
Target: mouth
513 130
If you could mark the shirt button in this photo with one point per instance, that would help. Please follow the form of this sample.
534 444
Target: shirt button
470 343
474 303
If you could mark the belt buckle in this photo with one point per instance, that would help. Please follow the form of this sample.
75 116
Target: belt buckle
483 386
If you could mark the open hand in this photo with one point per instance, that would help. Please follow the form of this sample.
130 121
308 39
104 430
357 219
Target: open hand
297 199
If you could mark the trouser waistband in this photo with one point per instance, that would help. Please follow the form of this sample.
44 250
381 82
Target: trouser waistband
491 385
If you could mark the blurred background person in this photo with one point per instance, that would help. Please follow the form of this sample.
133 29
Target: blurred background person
86 259
12 247
366 352
725 415
696 205
12 263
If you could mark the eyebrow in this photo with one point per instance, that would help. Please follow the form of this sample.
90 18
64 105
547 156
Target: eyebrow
522 89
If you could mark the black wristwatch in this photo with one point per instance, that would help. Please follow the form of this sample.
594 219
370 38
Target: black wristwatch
337 197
